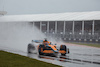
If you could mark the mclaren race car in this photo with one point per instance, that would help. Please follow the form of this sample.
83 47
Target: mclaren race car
45 47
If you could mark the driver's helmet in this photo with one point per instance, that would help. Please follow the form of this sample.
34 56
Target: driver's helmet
45 40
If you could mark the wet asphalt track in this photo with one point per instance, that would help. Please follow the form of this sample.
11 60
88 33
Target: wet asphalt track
80 56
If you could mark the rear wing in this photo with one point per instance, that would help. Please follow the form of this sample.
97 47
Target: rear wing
37 41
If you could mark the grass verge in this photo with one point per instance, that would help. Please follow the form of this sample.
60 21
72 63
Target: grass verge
14 60
92 45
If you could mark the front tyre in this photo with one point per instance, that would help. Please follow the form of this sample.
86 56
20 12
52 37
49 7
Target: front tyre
63 48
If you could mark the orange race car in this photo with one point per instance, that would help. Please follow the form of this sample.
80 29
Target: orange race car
46 48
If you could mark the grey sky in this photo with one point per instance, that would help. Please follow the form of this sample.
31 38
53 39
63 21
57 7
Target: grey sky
48 6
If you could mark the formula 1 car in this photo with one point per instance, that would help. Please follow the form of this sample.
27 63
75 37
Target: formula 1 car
46 48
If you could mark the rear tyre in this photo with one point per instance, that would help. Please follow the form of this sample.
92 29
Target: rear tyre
30 48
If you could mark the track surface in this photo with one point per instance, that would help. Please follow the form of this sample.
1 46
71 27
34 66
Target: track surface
80 56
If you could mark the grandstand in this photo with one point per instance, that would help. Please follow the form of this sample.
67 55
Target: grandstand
69 26
73 26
